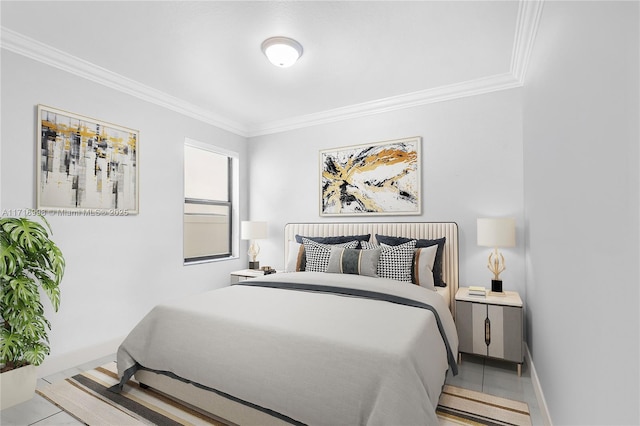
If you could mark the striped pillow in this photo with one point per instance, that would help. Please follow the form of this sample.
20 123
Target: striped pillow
422 271
395 261
354 261
318 254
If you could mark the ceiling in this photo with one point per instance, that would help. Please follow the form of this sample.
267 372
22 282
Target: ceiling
203 58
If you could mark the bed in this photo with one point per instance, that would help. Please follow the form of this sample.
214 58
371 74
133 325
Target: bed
307 347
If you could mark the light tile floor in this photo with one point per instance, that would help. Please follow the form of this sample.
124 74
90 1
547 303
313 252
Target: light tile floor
475 373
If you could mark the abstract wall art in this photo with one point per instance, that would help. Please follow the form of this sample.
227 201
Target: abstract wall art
381 178
85 164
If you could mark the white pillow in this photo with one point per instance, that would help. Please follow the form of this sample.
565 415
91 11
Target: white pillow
423 260
294 258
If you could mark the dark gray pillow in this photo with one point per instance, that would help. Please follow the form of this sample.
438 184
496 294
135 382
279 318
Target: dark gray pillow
335 240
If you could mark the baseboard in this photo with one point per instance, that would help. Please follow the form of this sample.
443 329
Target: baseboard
57 363
542 403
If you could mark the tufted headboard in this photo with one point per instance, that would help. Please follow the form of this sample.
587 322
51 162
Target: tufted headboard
418 230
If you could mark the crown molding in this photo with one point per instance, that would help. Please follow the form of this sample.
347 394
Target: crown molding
410 100
33 49
529 12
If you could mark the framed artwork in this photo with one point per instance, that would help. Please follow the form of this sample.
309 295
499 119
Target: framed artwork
381 178
85 164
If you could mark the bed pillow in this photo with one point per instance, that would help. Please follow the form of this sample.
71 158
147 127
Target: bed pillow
337 239
395 261
422 270
437 266
354 261
318 254
296 258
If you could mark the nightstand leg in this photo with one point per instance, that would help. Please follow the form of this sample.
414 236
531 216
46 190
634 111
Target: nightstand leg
519 370
459 358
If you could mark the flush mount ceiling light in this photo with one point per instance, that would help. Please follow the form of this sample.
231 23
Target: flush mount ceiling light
282 51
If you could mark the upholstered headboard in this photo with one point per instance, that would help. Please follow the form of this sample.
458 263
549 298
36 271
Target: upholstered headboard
418 230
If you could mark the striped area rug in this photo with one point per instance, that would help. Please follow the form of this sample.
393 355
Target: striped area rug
467 407
87 398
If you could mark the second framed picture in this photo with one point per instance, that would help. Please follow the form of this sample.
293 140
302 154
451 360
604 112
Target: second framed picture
381 178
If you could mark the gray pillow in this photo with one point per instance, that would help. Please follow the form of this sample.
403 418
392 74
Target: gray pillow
354 261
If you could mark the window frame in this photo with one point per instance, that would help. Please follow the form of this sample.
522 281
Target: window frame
232 203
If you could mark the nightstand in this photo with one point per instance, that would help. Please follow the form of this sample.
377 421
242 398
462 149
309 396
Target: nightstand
245 274
490 325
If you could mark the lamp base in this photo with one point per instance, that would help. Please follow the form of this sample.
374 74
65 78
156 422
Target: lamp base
254 265
496 286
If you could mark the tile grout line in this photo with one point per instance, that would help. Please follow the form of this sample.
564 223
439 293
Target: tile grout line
46 417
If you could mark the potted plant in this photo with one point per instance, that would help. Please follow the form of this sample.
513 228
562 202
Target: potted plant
29 262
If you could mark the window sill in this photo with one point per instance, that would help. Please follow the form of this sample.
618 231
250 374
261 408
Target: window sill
197 262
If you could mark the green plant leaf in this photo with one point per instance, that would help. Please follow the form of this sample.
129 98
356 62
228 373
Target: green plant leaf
35 355
11 258
10 346
24 289
28 234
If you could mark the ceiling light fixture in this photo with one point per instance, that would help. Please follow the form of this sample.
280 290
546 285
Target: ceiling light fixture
282 51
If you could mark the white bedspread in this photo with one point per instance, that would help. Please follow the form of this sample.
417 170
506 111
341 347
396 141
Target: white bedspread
317 358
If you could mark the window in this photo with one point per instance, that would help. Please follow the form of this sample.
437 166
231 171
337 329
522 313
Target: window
208 203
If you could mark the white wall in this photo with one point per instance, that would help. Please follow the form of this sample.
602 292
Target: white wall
471 167
117 267
581 109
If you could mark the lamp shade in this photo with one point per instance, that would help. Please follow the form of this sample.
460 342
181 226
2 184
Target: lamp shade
497 232
253 230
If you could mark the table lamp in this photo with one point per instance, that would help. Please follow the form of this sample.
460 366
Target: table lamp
496 232
253 231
